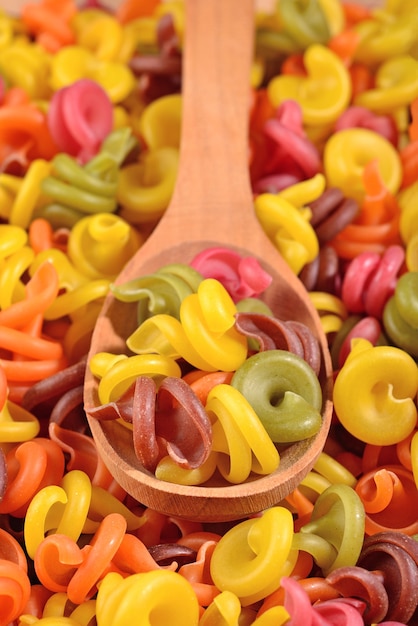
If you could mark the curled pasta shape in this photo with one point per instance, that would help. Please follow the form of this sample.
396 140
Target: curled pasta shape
270 333
161 292
335 532
51 29
165 553
333 471
205 335
14 590
62 393
160 122
161 72
396 85
54 387
17 424
362 117
145 187
239 437
65 568
197 572
348 142
359 582
75 189
319 104
162 594
61 509
225 608
23 129
31 465
12 551
354 327
101 33
304 25
291 154
14 267
331 213
250 559
77 290
117 374
89 250
389 497
171 418
407 201
370 280
394 554
12 239
242 277
71 195
83 455
381 39
385 377
62 566
33 62
59 610
323 274
298 606
400 315
331 309
75 63
284 392
167 469
409 152
28 193
289 228
3 474
158 528
368 328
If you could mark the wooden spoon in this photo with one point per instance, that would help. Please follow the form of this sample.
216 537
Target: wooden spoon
212 205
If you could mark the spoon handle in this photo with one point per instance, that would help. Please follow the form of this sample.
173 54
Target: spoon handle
216 105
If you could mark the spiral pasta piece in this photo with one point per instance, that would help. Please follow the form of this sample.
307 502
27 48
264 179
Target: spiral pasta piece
242 277
31 465
289 228
161 292
334 534
388 494
77 63
292 156
14 591
145 187
33 63
248 548
51 29
386 379
205 337
400 314
319 104
148 592
349 145
284 392
89 250
118 373
239 436
370 279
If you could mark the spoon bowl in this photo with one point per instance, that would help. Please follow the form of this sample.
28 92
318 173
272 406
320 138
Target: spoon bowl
212 205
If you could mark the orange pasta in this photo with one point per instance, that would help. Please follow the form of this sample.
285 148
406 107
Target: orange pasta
129 10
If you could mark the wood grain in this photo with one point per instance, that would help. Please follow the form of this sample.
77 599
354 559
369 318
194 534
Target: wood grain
212 205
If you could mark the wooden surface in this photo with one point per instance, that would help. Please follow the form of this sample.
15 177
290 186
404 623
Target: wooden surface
212 205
